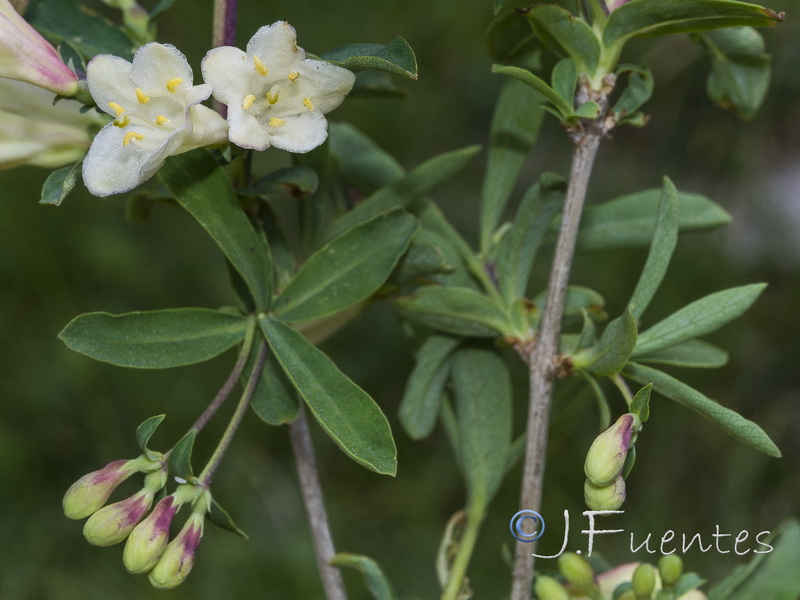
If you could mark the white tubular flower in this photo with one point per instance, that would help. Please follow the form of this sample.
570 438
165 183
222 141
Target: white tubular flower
34 131
157 113
27 56
275 95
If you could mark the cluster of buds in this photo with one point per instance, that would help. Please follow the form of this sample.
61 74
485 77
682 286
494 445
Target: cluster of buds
147 549
605 464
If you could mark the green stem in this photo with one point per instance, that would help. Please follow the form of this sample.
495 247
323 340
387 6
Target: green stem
466 547
623 388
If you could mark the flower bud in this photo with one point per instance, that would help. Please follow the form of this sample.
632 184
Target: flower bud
177 561
607 497
548 588
113 523
148 539
87 495
606 456
644 581
612 5
670 567
577 572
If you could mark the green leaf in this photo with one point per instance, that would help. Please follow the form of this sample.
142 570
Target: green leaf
510 40
515 127
696 354
180 458
376 581
455 310
422 399
603 409
396 57
613 350
201 186
664 239
376 84
345 411
563 109
59 184
728 420
348 269
156 339
146 430
519 245
577 300
630 221
640 405
366 165
85 30
636 93
424 259
275 399
588 110
220 517
498 5
698 318
482 391
687 583
407 191
574 36
160 8
771 573
666 17
298 182
740 70
565 79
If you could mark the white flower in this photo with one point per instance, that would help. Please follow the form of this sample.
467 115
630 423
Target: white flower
157 113
27 56
275 95
34 131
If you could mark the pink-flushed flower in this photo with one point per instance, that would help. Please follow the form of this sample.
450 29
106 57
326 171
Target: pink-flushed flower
177 561
113 523
27 56
275 95
157 113
604 497
87 495
606 456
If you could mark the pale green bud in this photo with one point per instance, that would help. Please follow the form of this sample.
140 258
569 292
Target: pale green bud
607 497
577 572
113 523
176 563
644 581
548 588
147 541
670 567
87 495
606 456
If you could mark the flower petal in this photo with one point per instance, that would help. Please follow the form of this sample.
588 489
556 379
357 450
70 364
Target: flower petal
109 80
227 70
207 128
276 45
245 130
326 84
300 133
154 64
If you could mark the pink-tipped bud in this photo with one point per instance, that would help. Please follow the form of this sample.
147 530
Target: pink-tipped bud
113 523
606 497
612 5
87 495
147 541
27 56
178 559
606 456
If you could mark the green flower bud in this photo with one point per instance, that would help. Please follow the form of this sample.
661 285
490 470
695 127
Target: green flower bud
670 567
87 495
548 588
644 581
113 523
607 497
606 456
177 561
577 572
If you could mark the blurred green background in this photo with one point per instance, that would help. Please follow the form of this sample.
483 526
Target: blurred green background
62 415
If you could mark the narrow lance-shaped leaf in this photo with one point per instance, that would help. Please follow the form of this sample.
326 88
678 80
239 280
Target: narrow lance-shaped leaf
366 165
298 181
345 411
348 269
573 35
377 584
180 457
146 430
613 350
696 354
202 188
275 399
156 339
698 318
220 517
396 57
564 110
664 240
728 420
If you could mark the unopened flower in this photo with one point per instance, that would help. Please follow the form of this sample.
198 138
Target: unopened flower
157 113
34 131
113 523
605 497
577 572
606 456
548 588
612 5
643 580
275 95
611 579
177 561
670 568
87 495
27 56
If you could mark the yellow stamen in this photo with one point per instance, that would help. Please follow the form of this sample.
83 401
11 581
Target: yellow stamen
122 123
293 76
141 96
308 104
260 66
173 83
274 94
161 119
276 122
248 101
131 135
116 108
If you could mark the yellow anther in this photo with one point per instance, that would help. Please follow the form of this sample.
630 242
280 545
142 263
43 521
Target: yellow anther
260 66
276 122
308 104
141 96
123 122
293 76
173 83
248 101
161 119
131 135
274 94
116 108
